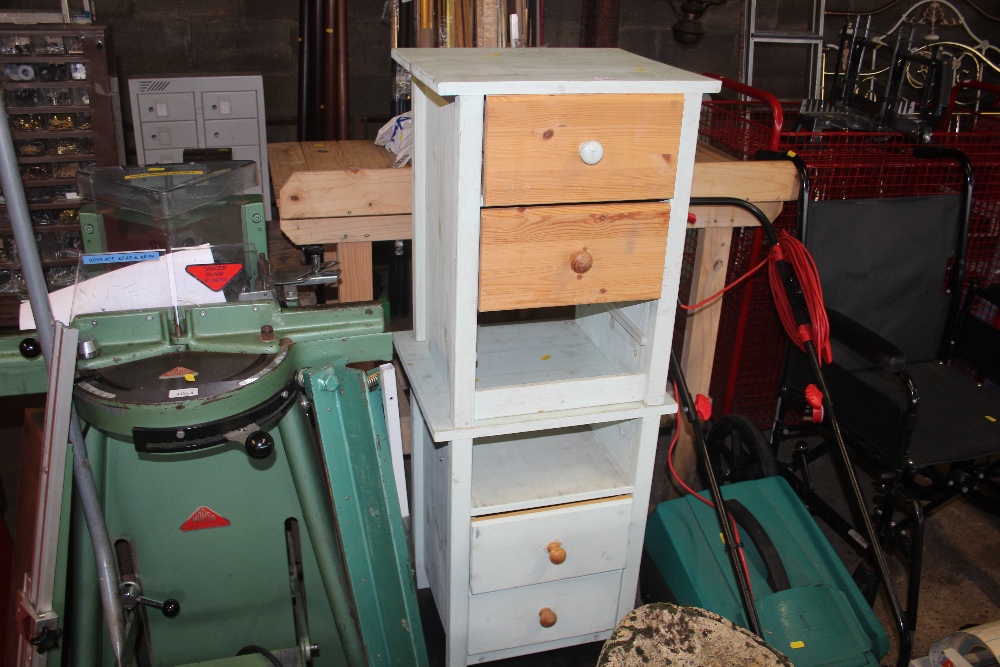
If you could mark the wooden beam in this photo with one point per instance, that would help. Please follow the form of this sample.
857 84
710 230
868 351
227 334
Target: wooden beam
356 272
729 216
317 194
348 229
753 181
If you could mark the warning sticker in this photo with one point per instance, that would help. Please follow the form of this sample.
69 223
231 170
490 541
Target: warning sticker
214 276
204 518
177 372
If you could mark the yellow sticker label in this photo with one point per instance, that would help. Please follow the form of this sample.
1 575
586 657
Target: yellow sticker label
189 377
791 153
798 644
546 357
129 177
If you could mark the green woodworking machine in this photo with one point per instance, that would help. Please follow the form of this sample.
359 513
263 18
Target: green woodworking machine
236 501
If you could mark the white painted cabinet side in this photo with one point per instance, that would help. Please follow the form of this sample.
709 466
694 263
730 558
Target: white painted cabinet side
420 440
421 165
449 220
667 307
459 455
644 462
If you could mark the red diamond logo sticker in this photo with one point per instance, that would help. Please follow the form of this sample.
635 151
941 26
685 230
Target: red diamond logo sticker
214 276
204 518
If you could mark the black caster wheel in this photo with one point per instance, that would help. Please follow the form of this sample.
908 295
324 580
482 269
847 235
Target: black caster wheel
738 451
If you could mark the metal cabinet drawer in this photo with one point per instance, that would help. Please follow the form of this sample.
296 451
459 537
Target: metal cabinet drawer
237 104
183 134
511 617
539 256
237 132
156 107
514 549
536 148
167 156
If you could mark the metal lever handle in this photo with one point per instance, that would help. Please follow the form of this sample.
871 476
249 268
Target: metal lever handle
170 607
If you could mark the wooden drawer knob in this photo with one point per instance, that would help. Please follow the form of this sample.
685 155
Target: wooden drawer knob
547 618
557 554
581 261
591 152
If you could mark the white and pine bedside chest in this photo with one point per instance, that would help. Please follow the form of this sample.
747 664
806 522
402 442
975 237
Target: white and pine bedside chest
541 178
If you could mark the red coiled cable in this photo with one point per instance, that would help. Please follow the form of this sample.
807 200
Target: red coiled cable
791 250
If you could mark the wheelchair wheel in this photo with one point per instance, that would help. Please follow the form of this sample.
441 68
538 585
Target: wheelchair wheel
739 451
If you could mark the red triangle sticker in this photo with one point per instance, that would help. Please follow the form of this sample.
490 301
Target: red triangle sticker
204 518
214 276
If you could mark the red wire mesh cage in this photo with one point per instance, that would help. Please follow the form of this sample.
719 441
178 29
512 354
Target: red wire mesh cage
842 165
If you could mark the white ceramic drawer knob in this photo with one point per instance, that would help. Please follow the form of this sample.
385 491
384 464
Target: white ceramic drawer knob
557 555
547 618
591 152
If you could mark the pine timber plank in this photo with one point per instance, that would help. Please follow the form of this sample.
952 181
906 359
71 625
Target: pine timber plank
527 254
531 148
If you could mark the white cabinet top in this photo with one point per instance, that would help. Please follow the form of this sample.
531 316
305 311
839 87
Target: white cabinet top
544 71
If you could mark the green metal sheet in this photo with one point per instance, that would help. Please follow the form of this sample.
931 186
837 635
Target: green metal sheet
355 445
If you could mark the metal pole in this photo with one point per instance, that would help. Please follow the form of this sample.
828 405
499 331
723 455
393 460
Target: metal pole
31 269
318 514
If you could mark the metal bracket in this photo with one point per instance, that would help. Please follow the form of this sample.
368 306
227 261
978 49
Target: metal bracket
41 630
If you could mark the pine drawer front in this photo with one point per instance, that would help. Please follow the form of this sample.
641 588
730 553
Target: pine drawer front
567 255
536 546
513 617
536 148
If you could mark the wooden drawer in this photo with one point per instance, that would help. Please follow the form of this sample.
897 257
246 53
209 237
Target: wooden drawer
565 255
511 549
532 148
510 617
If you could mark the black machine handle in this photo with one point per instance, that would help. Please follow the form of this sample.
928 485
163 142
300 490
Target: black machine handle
777 576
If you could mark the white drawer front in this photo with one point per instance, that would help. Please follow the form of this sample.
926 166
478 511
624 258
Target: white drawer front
508 618
168 156
155 107
512 550
237 104
236 132
158 136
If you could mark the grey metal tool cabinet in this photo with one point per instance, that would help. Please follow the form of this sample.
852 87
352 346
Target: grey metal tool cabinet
171 113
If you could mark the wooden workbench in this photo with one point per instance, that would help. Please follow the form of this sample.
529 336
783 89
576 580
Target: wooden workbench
342 192
347 193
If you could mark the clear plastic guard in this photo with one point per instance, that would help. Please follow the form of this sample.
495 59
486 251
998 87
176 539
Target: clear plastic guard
180 279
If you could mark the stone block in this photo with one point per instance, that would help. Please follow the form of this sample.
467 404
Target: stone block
566 11
718 52
562 34
370 95
368 42
281 95
107 10
151 46
187 8
245 45
271 9
366 9
640 41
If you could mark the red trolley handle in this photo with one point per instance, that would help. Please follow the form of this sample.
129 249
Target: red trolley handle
777 114
955 90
